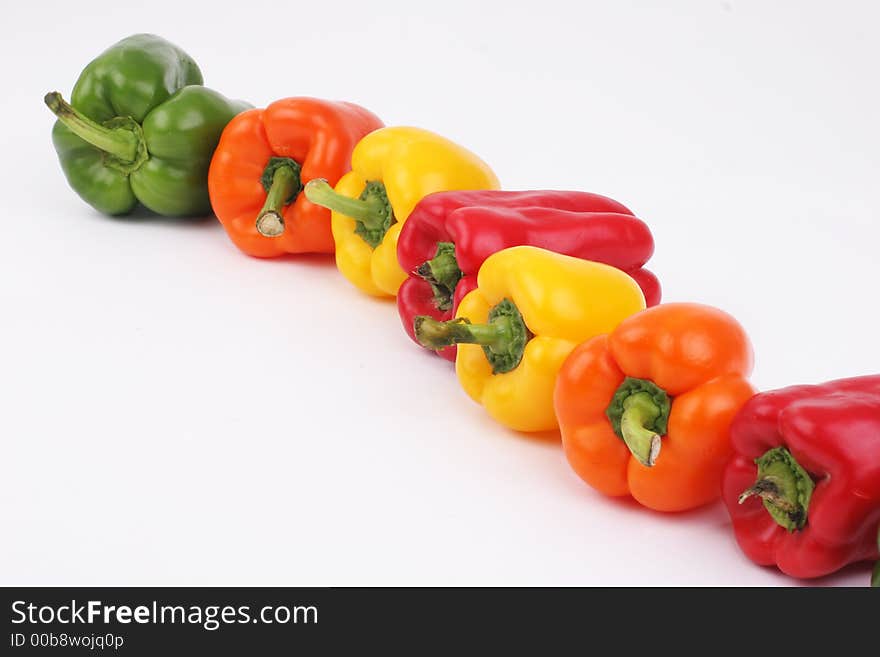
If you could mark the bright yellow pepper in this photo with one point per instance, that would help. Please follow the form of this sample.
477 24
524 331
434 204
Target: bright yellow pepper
531 308
392 169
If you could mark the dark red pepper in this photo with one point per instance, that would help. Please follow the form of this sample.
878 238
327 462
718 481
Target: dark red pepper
449 234
803 489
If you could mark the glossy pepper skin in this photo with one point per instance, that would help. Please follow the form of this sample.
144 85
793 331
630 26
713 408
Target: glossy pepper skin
140 128
645 411
449 235
803 486
392 170
531 307
264 158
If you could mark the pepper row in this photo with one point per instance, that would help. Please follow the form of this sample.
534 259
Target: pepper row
540 297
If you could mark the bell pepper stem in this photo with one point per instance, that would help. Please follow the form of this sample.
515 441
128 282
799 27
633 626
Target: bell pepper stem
769 489
119 142
503 337
784 487
370 214
639 415
270 221
437 335
639 412
443 274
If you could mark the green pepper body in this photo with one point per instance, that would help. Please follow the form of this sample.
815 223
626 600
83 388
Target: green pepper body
141 129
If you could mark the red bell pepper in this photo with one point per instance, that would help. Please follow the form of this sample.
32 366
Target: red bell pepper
449 234
803 489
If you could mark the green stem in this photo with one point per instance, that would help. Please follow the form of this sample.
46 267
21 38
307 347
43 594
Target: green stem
784 487
119 142
285 182
443 274
369 212
436 335
503 337
639 413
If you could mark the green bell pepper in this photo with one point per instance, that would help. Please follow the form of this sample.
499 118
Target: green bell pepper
141 128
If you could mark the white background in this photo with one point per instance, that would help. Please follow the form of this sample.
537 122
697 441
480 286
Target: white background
173 412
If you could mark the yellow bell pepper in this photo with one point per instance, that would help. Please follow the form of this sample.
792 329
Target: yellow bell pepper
392 170
530 309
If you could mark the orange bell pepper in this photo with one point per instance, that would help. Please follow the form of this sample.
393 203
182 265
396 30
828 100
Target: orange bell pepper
264 159
645 410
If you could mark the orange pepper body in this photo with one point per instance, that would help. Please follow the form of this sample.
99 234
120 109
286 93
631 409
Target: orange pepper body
319 135
700 357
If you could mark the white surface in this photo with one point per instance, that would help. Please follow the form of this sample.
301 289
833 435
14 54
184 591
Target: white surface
174 412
